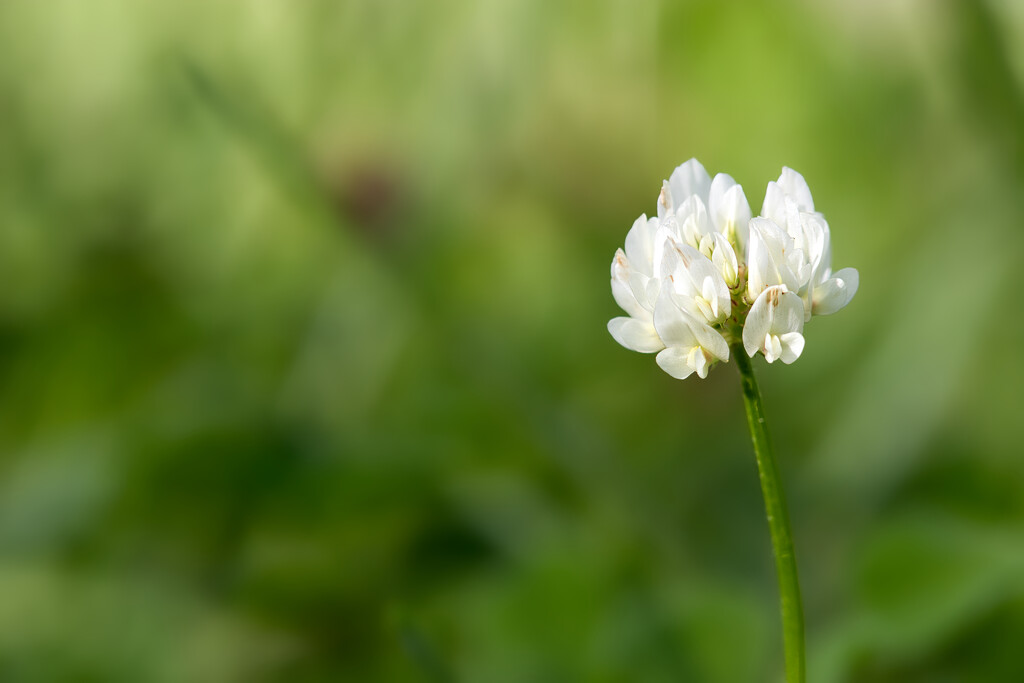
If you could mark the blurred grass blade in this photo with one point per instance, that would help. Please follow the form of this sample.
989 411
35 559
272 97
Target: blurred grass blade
281 154
423 654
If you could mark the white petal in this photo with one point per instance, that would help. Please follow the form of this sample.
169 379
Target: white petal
693 220
757 325
688 179
791 268
795 187
836 292
665 206
719 184
631 288
711 340
635 335
709 294
698 360
758 261
695 277
814 240
825 263
705 308
774 206
701 271
641 286
674 361
792 346
722 183
670 262
772 347
794 269
671 323
640 244
627 301
678 328
653 291
770 258
788 315
620 267
724 260
729 209
666 234
775 313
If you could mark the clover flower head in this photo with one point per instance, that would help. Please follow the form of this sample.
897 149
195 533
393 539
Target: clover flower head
705 274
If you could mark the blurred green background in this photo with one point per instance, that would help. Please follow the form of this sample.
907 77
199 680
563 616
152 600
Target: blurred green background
304 372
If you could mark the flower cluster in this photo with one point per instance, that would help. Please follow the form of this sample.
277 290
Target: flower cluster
704 274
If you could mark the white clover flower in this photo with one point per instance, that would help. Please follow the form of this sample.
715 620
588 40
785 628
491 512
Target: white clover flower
688 180
775 325
773 259
691 345
636 289
695 284
706 275
702 205
729 209
789 204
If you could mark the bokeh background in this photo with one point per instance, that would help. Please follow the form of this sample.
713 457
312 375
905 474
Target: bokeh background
304 372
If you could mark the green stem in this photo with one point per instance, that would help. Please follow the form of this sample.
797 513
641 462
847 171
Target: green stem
778 522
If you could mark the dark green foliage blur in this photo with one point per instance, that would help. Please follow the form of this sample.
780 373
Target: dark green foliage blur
304 373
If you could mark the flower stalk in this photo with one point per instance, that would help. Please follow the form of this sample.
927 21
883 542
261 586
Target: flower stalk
778 522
